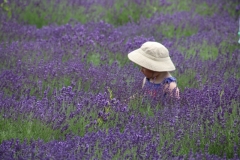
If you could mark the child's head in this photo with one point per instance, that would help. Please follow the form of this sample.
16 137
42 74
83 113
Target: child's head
153 57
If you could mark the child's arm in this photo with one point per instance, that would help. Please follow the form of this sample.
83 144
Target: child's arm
239 27
144 81
172 90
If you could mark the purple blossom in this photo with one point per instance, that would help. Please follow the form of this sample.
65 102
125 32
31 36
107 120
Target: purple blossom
49 75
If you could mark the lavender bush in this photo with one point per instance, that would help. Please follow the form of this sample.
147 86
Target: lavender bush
64 64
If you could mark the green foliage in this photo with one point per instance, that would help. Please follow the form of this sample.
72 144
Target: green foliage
171 31
186 79
5 7
230 8
204 50
22 128
94 59
205 9
126 11
47 12
34 17
205 133
78 126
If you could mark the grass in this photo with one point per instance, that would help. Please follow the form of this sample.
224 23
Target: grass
26 129
205 10
44 13
171 31
186 79
207 51
204 50
123 11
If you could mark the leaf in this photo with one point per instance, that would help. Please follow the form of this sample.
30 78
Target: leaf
100 121
110 93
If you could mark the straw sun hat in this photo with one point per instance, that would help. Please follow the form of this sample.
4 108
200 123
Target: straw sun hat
153 56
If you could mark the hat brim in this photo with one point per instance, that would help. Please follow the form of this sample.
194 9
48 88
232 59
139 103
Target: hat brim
137 56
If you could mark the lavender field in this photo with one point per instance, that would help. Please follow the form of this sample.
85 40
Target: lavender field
65 80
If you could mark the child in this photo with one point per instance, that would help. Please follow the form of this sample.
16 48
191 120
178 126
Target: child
239 27
155 63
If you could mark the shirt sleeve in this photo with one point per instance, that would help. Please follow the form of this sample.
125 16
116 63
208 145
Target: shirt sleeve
169 80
